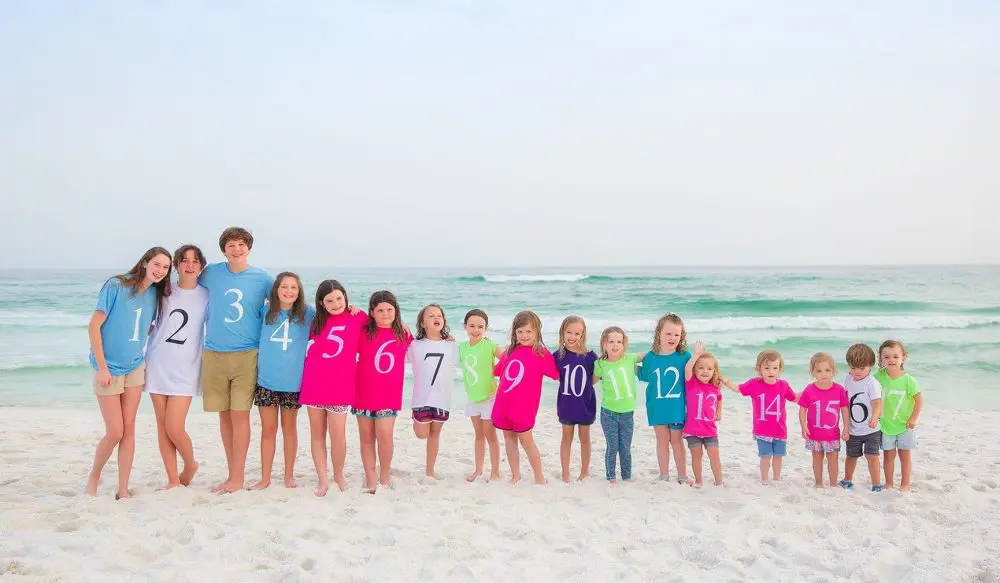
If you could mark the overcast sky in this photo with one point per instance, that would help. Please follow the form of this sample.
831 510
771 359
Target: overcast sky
502 132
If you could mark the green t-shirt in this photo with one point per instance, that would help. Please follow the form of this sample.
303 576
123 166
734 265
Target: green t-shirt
477 369
618 386
897 401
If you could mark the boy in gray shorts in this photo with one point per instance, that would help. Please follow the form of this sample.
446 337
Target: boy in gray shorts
864 436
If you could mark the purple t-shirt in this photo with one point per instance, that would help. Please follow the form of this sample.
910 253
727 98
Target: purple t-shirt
576 403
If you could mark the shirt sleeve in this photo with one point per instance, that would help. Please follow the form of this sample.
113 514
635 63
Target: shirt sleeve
599 368
911 387
549 368
874 389
498 367
746 389
844 400
109 293
789 392
805 400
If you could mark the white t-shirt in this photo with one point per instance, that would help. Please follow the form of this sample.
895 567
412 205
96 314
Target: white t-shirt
434 364
173 357
861 394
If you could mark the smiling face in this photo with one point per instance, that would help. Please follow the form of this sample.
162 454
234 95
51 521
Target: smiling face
156 269
670 337
383 314
334 302
432 322
704 369
189 268
614 345
526 335
288 292
475 327
572 336
236 252
892 360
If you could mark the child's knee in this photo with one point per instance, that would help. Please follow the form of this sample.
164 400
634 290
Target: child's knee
115 433
175 431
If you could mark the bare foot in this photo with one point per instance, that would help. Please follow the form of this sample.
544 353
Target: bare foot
386 484
473 476
719 484
583 476
187 476
127 494
818 486
368 489
612 481
290 482
696 484
905 488
432 475
170 485
540 481
92 483
565 477
260 485
494 476
341 483
321 491
230 487
218 487
514 479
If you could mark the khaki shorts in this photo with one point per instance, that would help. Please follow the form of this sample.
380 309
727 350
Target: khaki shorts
228 380
135 378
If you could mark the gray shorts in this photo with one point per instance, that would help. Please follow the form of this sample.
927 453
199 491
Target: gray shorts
905 440
858 445
695 441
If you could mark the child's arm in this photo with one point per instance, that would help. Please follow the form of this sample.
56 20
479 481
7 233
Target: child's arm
918 406
729 385
876 413
845 416
803 414
97 345
689 368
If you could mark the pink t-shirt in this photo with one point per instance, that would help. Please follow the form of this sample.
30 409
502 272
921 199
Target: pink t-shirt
520 389
769 418
328 378
703 402
823 407
381 361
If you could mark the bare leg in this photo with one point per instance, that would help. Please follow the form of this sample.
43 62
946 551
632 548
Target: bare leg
849 464
111 411
584 431
167 450
716 462
433 446
663 450
696 455
268 440
240 421
889 465
177 411
494 445
534 458
226 431
776 462
817 461
479 448
290 442
421 430
874 469
383 439
765 468
513 455
366 434
317 445
337 426
680 456
565 449
126 447
905 469
832 467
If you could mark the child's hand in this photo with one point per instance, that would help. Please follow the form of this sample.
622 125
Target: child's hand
104 377
699 347
873 422
805 433
846 435
728 384
353 310
718 415
911 423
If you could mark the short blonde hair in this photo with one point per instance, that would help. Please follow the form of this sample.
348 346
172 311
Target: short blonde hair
822 357
769 356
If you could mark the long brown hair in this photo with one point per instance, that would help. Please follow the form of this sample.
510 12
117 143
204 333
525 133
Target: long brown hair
422 332
522 319
134 277
562 332
324 289
604 338
384 297
682 344
298 311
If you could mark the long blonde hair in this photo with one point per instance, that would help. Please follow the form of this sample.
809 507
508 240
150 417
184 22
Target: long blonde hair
682 344
522 319
562 332
604 338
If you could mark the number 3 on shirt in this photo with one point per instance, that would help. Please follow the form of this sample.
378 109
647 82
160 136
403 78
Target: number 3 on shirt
236 304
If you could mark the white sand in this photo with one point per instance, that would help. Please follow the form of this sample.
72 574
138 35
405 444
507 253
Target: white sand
946 530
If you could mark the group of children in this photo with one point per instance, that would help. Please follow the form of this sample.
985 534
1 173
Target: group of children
231 333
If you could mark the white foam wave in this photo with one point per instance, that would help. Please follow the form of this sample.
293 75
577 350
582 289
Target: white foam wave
538 277
37 319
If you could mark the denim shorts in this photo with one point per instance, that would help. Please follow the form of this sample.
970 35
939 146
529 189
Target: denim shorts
905 440
770 448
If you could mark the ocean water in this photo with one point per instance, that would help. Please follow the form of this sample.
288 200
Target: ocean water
948 317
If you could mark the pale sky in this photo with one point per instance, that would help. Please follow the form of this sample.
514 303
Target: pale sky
502 132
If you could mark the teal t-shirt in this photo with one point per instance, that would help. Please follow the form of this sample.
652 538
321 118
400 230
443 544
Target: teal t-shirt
618 385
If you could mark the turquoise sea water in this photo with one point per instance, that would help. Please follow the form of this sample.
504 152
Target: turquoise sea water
948 317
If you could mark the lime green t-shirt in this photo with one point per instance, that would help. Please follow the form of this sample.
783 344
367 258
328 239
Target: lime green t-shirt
618 385
897 401
477 369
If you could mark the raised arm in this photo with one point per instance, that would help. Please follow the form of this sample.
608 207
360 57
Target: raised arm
699 348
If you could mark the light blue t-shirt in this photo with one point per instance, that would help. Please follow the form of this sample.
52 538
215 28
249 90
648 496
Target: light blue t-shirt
126 329
282 353
234 302
666 391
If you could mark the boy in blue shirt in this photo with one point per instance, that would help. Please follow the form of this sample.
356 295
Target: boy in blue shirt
236 293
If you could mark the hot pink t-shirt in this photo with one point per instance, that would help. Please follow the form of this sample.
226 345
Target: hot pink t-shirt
703 402
381 361
769 419
520 389
328 378
823 409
